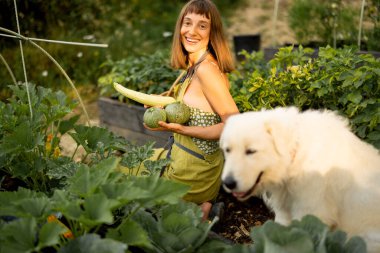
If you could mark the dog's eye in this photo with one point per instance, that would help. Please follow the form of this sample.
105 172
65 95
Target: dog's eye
250 151
227 150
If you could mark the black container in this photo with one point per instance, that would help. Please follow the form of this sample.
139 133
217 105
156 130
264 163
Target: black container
249 42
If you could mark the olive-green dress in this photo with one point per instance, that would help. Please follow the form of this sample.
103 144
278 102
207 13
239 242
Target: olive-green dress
200 167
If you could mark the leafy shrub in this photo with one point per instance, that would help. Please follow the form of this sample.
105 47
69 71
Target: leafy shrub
150 74
30 145
338 79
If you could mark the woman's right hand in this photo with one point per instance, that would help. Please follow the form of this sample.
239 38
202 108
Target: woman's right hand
171 127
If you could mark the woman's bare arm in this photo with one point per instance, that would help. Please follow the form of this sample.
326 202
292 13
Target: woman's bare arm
215 87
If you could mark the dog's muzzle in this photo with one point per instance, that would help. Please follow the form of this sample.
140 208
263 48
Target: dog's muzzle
230 184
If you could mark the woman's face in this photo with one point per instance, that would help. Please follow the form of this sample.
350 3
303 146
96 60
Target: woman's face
195 32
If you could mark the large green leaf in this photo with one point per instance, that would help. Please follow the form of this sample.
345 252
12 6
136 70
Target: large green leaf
24 203
125 191
315 228
175 228
98 209
62 167
92 138
131 233
92 243
273 238
50 234
18 236
68 205
160 190
67 125
21 236
24 138
87 180
174 223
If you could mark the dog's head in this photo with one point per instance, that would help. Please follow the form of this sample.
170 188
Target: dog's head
258 149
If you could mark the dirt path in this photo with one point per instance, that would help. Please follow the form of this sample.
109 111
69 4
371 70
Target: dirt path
67 144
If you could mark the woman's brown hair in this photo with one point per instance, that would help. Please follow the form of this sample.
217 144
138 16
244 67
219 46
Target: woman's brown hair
218 45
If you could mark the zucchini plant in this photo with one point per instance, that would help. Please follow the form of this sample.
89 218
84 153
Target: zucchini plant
104 207
30 148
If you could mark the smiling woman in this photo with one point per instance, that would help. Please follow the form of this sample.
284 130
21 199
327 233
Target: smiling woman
200 47
195 33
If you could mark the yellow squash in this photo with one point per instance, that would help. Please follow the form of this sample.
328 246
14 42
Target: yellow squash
146 99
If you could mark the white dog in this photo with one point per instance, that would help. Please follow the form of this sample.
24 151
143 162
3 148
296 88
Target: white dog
305 163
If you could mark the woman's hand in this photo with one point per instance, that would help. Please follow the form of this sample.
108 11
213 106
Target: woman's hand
171 127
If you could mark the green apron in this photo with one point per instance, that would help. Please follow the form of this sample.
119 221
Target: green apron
187 166
190 164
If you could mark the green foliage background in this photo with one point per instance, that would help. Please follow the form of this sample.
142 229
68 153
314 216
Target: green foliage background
341 80
130 28
316 23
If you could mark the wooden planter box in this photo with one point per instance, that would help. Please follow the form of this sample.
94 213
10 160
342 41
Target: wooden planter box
127 121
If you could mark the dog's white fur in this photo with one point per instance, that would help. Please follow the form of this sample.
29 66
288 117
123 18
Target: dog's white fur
311 163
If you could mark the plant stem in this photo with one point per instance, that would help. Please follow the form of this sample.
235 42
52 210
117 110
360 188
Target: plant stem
138 169
334 32
72 157
9 70
361 24
275 15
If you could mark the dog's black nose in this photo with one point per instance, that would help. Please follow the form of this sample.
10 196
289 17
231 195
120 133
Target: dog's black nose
229 182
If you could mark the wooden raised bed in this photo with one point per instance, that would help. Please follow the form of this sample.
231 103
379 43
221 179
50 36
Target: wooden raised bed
127 120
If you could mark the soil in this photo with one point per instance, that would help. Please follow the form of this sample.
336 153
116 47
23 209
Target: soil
239 217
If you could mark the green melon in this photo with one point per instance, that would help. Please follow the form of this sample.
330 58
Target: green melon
152 115
177 112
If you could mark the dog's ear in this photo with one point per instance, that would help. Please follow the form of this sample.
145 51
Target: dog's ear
281 134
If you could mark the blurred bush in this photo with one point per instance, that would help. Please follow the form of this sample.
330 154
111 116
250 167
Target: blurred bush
372 36
335 23
130 28
321 21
